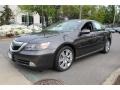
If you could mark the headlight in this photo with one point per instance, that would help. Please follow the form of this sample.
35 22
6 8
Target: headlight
37 46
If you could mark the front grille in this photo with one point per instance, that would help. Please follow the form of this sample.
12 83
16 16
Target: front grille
24 62
16 45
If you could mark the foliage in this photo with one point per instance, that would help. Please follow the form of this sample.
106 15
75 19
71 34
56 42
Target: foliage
42 10
71 11
6 15
110 11
103 14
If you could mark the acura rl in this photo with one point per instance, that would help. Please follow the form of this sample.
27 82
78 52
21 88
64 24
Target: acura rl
58 45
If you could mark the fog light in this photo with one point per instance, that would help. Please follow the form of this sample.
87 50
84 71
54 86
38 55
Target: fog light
32 64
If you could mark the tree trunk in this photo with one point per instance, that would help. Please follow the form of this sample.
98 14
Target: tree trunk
46 19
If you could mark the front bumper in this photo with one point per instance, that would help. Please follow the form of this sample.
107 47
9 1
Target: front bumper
39 59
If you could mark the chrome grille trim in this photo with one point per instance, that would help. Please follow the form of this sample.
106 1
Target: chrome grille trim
17 43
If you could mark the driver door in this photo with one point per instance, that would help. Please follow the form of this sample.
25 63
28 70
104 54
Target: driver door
85 42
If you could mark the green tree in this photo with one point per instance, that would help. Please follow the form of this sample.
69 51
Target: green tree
100 14
42 10
71 11
117 19
88 11
103 14
110 11
6 15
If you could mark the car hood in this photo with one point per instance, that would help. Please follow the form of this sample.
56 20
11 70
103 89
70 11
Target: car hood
37 38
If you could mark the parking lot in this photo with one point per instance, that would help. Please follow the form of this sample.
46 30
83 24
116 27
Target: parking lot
91 70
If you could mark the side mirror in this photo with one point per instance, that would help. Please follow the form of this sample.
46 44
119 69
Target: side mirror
85 31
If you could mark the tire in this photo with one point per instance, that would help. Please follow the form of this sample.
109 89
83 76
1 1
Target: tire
106 47
63 60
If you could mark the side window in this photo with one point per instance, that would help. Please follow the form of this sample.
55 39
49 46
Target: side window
88 25
97 26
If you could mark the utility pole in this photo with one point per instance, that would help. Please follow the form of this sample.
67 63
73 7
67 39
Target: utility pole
80 14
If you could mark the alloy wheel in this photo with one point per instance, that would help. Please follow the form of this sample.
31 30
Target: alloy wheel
107 46
65 58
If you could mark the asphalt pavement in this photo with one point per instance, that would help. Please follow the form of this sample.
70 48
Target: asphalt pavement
91 70
9 75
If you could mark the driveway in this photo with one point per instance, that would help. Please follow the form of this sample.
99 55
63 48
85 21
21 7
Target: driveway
90 70
8 73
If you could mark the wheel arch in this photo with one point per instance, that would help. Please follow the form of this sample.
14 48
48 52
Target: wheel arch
66 44
109 38
56 67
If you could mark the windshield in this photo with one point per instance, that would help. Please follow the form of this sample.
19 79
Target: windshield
64 26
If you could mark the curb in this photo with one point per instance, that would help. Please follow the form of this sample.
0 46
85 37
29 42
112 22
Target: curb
112 78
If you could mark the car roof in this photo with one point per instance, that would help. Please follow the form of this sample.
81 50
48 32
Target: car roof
82 20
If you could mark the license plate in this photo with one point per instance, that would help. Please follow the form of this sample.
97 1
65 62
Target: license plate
9 55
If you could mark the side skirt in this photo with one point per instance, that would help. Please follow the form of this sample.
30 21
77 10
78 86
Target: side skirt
89 53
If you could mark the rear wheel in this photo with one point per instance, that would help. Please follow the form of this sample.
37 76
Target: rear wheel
106 47
64 58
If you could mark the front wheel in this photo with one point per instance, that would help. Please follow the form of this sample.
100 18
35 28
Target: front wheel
64 58
106 47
